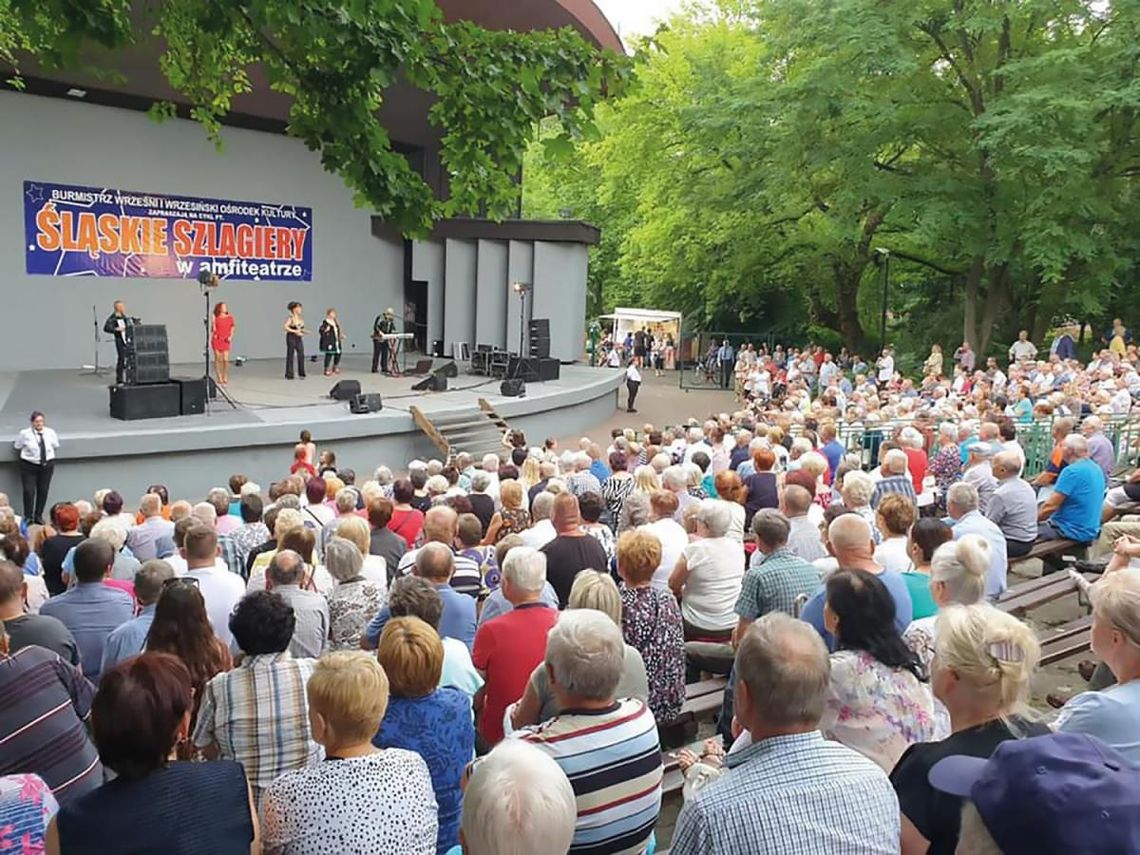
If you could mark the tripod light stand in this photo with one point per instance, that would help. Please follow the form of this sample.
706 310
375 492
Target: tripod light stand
208 280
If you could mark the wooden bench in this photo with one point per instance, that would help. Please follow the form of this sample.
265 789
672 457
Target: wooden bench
701 699
1067 640
1038 592
1047 548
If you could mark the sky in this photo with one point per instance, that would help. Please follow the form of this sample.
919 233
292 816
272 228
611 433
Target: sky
637 17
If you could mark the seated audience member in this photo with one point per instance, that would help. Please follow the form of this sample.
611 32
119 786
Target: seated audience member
15 548
924 537
360 799
708 575
878 702
143 538
265 693
572 549
966 519
220 588
776 577
849 539
252 532
513 518
895 481
424 717
354 600
441 525
592 590
1048 795
670 533
412 596
508 648
790 789
155 804
1013 506
382 541
761 485
651 623
518 801
1056 461
24 629
803 534
310 610
894 517
982 671
374 567
1119 499
43 715
91 611
730 488
1112 715
1072 511
125 565
858 488
496 604
978 472
607 746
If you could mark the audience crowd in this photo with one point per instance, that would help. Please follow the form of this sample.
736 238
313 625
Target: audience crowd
488 656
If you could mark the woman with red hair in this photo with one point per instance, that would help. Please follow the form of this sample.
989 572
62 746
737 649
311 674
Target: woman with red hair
65 520
221 338
730 488
761 485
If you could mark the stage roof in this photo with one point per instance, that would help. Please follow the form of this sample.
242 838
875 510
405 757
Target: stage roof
405 108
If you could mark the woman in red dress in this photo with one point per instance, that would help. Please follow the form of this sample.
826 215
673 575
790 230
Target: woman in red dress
221 335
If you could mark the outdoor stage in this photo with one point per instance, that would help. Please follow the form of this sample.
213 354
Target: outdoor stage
190 454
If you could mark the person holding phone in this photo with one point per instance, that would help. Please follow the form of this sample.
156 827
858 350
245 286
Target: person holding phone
295 333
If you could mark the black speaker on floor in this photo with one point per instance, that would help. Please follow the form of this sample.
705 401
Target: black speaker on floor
539 347
422 385
345 390
448 369
534 369
191 394
154 401
422 366
515 388
370 403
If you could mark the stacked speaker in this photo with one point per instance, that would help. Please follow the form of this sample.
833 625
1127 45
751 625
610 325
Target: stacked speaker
148 392
152 354
539 338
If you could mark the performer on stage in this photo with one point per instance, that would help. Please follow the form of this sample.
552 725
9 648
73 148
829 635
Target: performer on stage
120 324
221 339
37 445
331 339
295 333
384 324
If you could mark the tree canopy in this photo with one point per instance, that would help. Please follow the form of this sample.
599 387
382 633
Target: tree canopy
772 146
334 59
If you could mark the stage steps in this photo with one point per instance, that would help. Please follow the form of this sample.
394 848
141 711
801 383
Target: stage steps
478 432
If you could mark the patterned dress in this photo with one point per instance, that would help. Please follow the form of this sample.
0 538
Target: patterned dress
651 622
946 467
351 605
615 490
515 521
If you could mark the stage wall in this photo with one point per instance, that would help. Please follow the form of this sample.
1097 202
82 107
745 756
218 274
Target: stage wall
52 140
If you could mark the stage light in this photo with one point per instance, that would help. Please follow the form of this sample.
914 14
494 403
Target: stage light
520 288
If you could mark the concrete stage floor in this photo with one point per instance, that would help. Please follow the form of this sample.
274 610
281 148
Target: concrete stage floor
192 453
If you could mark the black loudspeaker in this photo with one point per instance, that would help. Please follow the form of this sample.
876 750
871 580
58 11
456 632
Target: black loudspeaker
448 369
345 390
438 383
539 347
422 385
191 394
423 366
512 388
540 327
437 347
154 401
370 403
534 369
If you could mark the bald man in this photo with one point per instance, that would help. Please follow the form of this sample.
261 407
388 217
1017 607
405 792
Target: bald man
572 549
441 525
1013 505
854 548
803 535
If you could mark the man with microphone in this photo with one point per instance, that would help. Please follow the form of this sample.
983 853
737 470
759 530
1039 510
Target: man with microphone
121 326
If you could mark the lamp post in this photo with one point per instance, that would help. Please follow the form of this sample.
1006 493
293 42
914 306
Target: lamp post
883 259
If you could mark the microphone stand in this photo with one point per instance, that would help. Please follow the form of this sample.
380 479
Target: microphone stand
95 370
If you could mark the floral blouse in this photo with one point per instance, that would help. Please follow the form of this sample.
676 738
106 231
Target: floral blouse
946 467
515 521
26 809
351 606
876 710
651 623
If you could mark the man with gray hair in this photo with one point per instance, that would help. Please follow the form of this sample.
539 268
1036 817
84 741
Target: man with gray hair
978 472
541 530
1013 506
129 639
311 610
508 648
607 746
776 576
895 481
582 480
962 504
803 537
220 497
1100 446
143 538
1073 510
790 790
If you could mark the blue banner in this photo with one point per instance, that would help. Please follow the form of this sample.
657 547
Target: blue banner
86 231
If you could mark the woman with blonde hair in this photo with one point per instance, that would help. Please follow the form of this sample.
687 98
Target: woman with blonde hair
646 480
730 489
815 464
591 590
984 664
513 518
531 474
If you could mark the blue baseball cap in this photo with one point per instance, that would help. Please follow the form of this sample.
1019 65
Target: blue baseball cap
1060 793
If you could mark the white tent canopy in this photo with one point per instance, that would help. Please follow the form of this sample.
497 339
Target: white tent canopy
657 321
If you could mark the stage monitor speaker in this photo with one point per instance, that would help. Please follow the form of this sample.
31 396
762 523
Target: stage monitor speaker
345 390
155 401
422 385
438 383
534 369
448 369
191 394
370 403
512 388
423 366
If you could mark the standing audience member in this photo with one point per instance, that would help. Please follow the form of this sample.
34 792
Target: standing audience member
220 589
671 534
788 789
252 531
509 647
141 713
651 622
708 575
878 702
44 707
24 629
406 521
382 540
1013 506
374 568
415 597
512 518
572 550
762 485
265 693
982 670
424 717
310 610
129 639
361 799
91 611
607 746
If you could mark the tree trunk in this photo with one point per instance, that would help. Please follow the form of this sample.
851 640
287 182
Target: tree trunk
970 303
847 279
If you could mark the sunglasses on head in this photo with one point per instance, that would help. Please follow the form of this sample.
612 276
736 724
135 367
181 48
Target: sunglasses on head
180 580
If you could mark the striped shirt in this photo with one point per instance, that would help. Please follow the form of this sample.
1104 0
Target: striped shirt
466 578
612 757
44 703
258 715
797 794
893 485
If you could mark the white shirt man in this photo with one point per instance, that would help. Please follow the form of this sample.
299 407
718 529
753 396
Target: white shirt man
220 588
886 367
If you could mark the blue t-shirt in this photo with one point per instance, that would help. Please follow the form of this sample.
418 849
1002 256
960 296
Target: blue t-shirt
833 450
1082 484
457 620
1112 716
438 727
812 611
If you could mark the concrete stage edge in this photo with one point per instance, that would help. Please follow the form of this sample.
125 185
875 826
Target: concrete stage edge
190 454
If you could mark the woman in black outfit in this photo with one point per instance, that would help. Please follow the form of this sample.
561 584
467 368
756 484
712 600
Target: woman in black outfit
330 341
65 520
294 341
